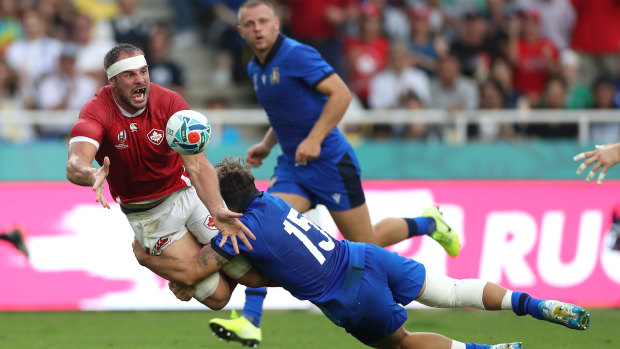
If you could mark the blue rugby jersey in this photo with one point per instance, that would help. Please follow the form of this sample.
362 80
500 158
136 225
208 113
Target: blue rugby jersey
299 255
285 86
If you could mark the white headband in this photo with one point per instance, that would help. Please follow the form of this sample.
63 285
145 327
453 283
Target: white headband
130 63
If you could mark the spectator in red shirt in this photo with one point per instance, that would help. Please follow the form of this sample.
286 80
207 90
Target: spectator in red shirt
533 57
367 54
596 37
317 23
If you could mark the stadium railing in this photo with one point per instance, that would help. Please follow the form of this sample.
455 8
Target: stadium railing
457 121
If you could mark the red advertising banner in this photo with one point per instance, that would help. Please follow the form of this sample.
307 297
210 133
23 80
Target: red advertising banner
546 238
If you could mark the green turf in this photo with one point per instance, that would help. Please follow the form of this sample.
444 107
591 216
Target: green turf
286 329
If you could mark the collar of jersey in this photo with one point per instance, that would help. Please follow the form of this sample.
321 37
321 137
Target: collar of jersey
126 113
247 200
274 50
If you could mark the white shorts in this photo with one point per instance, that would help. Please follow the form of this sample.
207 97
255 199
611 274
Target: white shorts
167 222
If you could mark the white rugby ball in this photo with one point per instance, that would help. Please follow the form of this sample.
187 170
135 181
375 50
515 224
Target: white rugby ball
188 132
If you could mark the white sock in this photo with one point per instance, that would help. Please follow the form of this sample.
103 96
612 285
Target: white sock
507 301
458 345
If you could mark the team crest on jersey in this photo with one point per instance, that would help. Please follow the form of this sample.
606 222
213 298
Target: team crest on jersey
156 136
274 78
159 246
209 223
121 137
133 127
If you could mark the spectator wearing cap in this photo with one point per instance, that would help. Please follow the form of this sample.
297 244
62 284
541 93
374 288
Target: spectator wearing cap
579 95
534 58
424 46
603 95
65 88
367 54
596 37
557 21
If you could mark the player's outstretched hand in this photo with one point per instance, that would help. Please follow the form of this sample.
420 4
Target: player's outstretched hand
255 155
228 223
100 176
307 150
182 292
603 157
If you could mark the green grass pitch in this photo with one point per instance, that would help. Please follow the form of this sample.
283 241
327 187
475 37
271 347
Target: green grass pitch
285 329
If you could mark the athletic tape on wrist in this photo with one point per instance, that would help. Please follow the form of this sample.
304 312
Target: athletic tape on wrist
130 63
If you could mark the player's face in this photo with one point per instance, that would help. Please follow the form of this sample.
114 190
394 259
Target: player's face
132 87
259 26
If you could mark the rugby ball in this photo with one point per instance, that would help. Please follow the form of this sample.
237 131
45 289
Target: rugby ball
188 132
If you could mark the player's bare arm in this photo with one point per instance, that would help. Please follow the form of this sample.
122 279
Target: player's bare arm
603 157
187 271
255 155
338 99
204 179
80 169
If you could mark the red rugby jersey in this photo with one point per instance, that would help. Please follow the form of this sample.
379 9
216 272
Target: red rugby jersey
142 165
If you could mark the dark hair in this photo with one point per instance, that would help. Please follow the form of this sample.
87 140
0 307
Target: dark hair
236 181
123 48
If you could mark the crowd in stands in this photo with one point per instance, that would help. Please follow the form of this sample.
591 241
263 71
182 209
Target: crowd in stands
453 55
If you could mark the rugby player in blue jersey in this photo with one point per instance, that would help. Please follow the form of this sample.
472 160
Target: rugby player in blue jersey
358 286
305 100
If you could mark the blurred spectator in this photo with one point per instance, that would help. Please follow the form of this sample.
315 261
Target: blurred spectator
554 97
100 12
317 23
411 101
32 57
451 90
91 49
492 97
472 48
533 57
395 22
162 70
367 54
390 85
501 71
596 36
424 46
579 95
185 23
229 134
557 20
65 88
57 13
604 92
129 28
10 25
223 33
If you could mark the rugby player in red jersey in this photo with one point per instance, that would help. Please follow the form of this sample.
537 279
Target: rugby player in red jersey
161 192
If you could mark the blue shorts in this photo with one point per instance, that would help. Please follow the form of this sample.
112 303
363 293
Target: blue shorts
335 184
388 281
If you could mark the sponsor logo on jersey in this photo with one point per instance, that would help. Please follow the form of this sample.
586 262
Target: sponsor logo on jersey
209 223
156 136
263 78
159 246
121 137
255 81
133 127
336 197
274 78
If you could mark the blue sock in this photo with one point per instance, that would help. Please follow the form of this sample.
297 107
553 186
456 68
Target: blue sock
523 304
253 307
420 226
477 346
